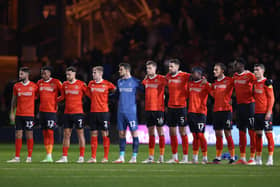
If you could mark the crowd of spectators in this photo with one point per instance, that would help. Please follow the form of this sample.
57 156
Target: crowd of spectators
199 33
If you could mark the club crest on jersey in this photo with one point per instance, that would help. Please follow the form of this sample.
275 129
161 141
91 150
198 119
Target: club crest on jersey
30 88
76 87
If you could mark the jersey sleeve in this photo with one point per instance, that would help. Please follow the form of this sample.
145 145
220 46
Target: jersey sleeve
88 92
59 86
208 88
139 86
36 87
111 86
252 78
14 90
62 94
211 92
270 97
84 88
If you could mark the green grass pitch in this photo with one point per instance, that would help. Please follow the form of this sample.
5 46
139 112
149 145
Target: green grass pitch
73 174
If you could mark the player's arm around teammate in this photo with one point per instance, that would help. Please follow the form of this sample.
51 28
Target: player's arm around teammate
221 91
127 89
73 91
23 101
154 106
177 111
49 90
245 110
197 112
99 118
264 96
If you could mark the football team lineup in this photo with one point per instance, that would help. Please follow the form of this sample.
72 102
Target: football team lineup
254 95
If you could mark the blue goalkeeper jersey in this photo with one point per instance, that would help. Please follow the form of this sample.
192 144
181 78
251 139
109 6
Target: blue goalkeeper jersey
127 90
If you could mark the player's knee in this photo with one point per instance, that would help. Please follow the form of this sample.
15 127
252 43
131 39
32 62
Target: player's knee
219 134
29 134
18 134
172 131
104 133
67 134
95 133
122 134
151 131
227 133
160 132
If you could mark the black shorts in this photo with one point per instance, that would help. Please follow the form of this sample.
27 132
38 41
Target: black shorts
245 116
99 121
73 120
222 120
155 118
197 122
176 117
262 124
47 120
24 123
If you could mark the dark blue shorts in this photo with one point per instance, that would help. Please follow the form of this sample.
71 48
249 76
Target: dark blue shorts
155 118
177 117
222 120
24 123
197 122
262 124
99 121
73 120
47 120
245 116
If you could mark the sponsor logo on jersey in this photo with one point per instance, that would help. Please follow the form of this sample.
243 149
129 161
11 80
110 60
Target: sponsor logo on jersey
45 88
195 89
220 86
126 89
73 92
259 91
151 85
240 81
97 89
25 94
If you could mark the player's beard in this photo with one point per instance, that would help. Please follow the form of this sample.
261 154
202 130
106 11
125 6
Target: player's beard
21 79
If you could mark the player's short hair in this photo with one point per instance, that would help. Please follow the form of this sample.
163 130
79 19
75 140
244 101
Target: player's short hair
197 69
241 61
98 68
175 61
260 65
126 66
71 68
47 68
25 69
222 66
151 62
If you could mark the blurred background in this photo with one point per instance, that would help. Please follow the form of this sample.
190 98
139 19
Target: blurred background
86 33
